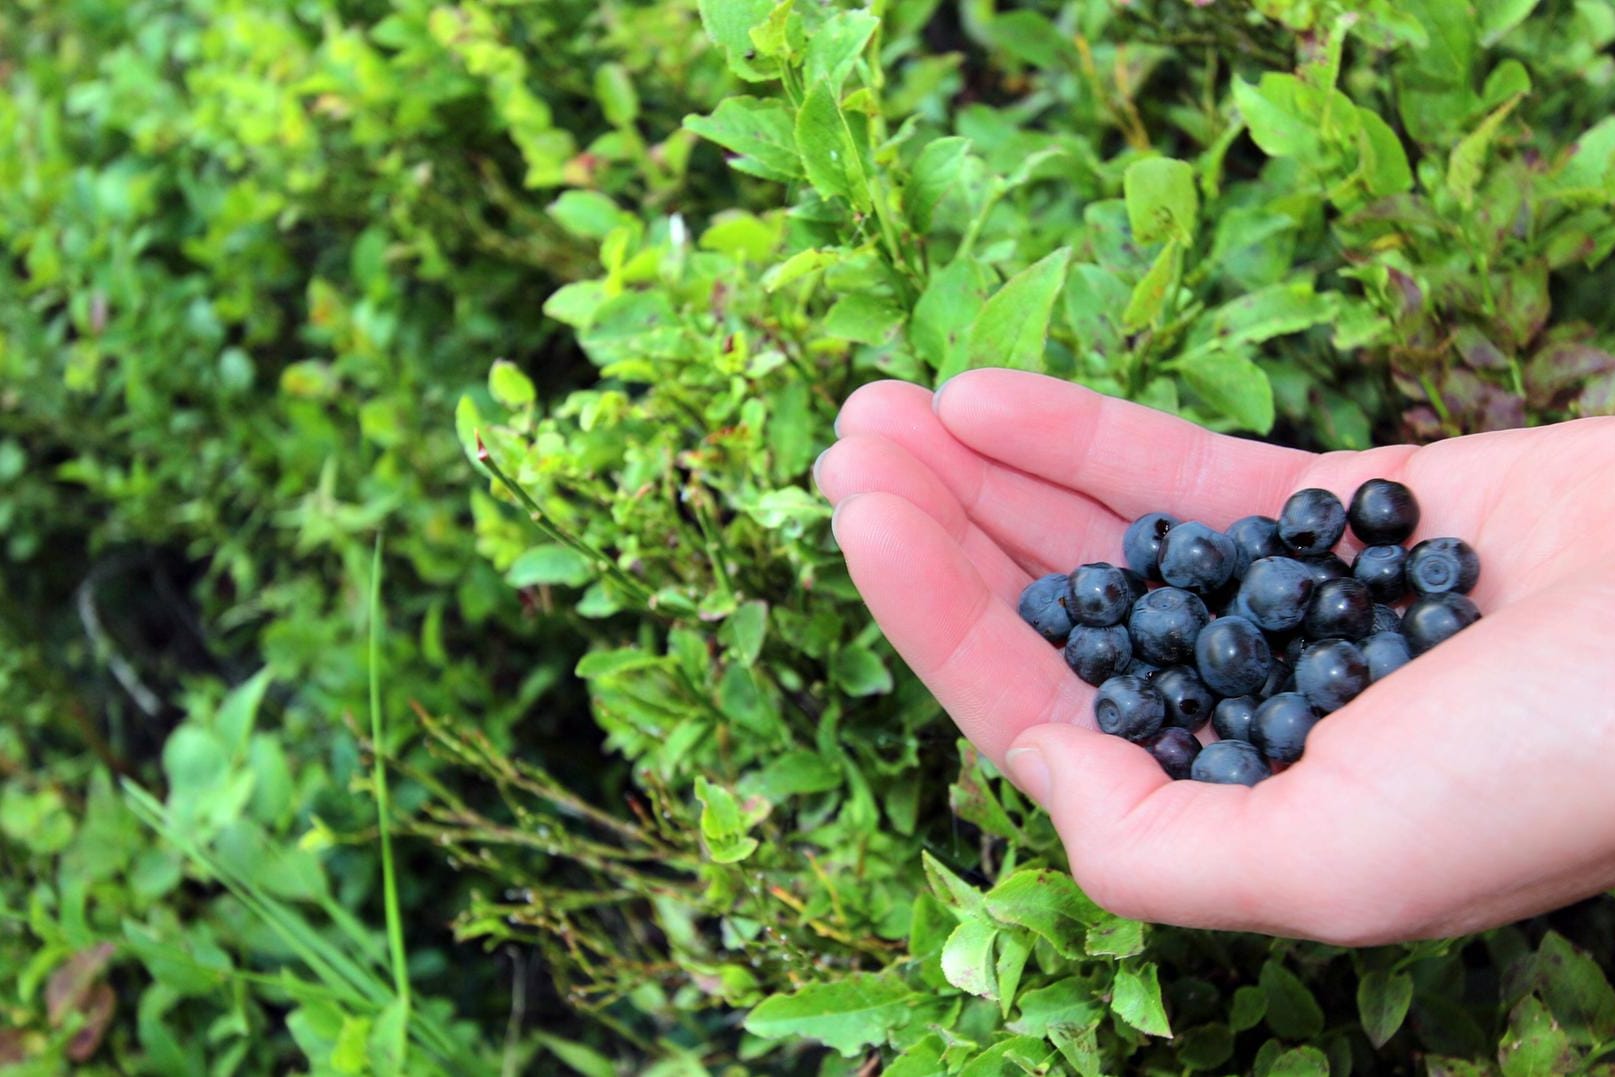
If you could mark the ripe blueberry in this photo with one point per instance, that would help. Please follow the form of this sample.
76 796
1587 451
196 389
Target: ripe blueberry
1164 624
1137 585
1312 522
1232 717
1379 568
1232 656
1325 567
1255 537
1340 609
1433 619
1098 653
1188 700
1280 728
1275 592
1129 707
1196 558
1175 750
1142 670
1141 544
1386 619
1330 674
1383 512
1385 653
1229 762
1043 606
1100 595
1442 564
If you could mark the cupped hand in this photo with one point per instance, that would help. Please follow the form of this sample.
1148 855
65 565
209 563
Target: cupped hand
1472 787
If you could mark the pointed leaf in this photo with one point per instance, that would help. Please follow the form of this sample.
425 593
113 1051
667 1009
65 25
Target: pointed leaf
1136 999
1382 1002
760 133
1013 326
830 157
1162 202
847 1014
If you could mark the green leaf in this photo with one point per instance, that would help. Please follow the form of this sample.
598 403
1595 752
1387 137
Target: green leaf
550 563
1152 291
744 630
1205 1047
729 24
957 894
935 173
797 266
234 721
1498 17
760 133
614 89
723 824
831 158
1248 1008
1136 999
1468 160
1162 202
1382 159
1283 115
862 318
1575 990
509 386
1048 903
846 1014
1013 325
1535 1045
586 214
967 957
1070 1002
1292 1012
950 303
1300 1062
1232 384
1382 1002
577 1056
1274 311
1588 171
1115 937
835 46
858 671
1094 299
793 774
1013 951
922 1059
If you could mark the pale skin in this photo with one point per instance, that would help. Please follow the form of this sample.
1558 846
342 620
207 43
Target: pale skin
1473 787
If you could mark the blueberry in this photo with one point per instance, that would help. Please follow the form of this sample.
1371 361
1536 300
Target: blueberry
1383 512
1433 619
1100 595
1280 728
1043 606
1164 624
1385 653
1229 762
1340 609
1280 679
1379 568
1142 670
1196 558
1141 545
1098 653
1293 648
1129 707
1188 700
1137 585
1232 656
1326 567
1442 564
1276 591
1386 619
1312 522
1175 750
1232 717
1331 673
1255 537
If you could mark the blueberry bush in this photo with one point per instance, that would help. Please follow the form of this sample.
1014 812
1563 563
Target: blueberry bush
594 762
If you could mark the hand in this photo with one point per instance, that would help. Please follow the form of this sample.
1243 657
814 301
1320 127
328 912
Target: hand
1473 787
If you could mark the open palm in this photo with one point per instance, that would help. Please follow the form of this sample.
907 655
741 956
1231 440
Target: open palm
1472 787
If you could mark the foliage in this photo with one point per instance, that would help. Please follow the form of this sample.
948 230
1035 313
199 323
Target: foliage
266 259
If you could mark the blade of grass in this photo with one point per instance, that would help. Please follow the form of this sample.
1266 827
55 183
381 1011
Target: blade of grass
395 924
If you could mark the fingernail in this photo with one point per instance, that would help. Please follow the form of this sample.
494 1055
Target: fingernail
936 397
836 426
835 516
818 461
1030 771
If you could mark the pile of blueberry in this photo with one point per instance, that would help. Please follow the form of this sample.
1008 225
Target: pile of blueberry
1260 630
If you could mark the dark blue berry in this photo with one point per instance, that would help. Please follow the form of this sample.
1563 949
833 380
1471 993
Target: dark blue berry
1340 609
1196 558
1383 512
1326 567
1379 568
1100 595
1312 522
1097 654
1255 537
1129 707
1232 656
1433 619
1043 606
1385 653
1164 624
1229 762
1438 565
1280 679
1386 619
1276 591
1137 585
1188 700
1331 674
1280 728
1141 669
1232 717
1175 749
1141 544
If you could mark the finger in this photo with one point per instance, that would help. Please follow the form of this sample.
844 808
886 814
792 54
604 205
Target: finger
862 463
1129 458
1045 528
993 674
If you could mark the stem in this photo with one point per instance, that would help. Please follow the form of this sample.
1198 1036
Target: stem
389 880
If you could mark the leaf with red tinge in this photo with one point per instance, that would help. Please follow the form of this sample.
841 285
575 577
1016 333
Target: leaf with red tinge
76 988
1554 374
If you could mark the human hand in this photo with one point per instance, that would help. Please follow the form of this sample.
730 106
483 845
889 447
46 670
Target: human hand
1472 787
